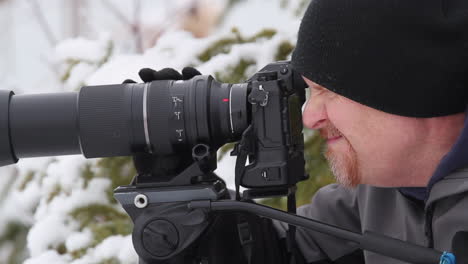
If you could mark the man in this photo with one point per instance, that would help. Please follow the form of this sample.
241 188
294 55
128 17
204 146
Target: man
389 86
388 89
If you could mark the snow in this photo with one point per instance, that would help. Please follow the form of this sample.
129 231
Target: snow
117 69
7 250
63 204
49 257
79 240
81 49
18 206
118 247
50 231
263 52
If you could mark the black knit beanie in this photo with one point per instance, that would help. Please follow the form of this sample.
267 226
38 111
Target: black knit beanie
404 57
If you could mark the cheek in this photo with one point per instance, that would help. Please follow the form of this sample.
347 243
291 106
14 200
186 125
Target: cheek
347 118
376 137
358 127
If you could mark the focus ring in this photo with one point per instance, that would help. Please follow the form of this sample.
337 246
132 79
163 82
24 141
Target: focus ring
158 106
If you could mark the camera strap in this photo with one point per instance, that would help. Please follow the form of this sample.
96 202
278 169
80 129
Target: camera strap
295 257
245 236
242 150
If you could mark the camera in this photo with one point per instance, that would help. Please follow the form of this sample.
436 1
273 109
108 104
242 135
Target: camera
181 125
181 210
165 118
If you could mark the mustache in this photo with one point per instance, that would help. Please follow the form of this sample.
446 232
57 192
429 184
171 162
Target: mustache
329 131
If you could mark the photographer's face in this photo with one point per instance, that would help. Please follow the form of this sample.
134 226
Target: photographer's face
365 145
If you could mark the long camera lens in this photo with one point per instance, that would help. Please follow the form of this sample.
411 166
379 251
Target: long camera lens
161 117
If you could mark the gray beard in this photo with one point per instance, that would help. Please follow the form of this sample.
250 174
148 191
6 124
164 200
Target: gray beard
344 166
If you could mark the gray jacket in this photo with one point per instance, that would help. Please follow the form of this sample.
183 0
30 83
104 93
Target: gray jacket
385 211
432 219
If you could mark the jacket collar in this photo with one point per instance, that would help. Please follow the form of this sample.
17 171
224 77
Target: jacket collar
453 184
455 159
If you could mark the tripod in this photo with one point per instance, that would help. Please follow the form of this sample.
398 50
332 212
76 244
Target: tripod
173 213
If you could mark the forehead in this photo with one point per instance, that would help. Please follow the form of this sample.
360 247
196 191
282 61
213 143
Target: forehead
342 107
338 102
315 86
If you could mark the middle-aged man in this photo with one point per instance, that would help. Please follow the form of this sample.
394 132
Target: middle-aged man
388 89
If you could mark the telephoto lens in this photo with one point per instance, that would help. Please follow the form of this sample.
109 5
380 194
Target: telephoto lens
161 117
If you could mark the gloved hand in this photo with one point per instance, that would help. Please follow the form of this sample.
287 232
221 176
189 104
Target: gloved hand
146 163
149 75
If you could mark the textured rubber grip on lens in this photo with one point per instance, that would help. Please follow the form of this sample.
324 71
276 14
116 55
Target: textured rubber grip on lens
105 120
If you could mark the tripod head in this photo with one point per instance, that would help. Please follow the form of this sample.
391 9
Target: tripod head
165 229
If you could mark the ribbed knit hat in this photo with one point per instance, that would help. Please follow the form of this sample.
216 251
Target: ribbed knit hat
405 57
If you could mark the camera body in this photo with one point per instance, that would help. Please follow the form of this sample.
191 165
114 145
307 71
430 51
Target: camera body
276 148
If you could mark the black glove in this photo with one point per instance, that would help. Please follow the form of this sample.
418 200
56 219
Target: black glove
146 163
149 75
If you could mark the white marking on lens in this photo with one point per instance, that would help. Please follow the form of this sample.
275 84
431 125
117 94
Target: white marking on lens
145 117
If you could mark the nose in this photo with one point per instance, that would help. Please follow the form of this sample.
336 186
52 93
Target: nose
315 114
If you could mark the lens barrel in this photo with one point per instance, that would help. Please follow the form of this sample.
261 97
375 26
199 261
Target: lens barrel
44 124
161 117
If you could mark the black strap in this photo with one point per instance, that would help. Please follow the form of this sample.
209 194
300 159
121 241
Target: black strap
239 171
295 257
243 148
245 236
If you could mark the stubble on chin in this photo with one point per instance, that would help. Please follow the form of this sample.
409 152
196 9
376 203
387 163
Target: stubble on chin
343 162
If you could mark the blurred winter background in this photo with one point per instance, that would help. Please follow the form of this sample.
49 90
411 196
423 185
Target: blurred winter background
60 209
